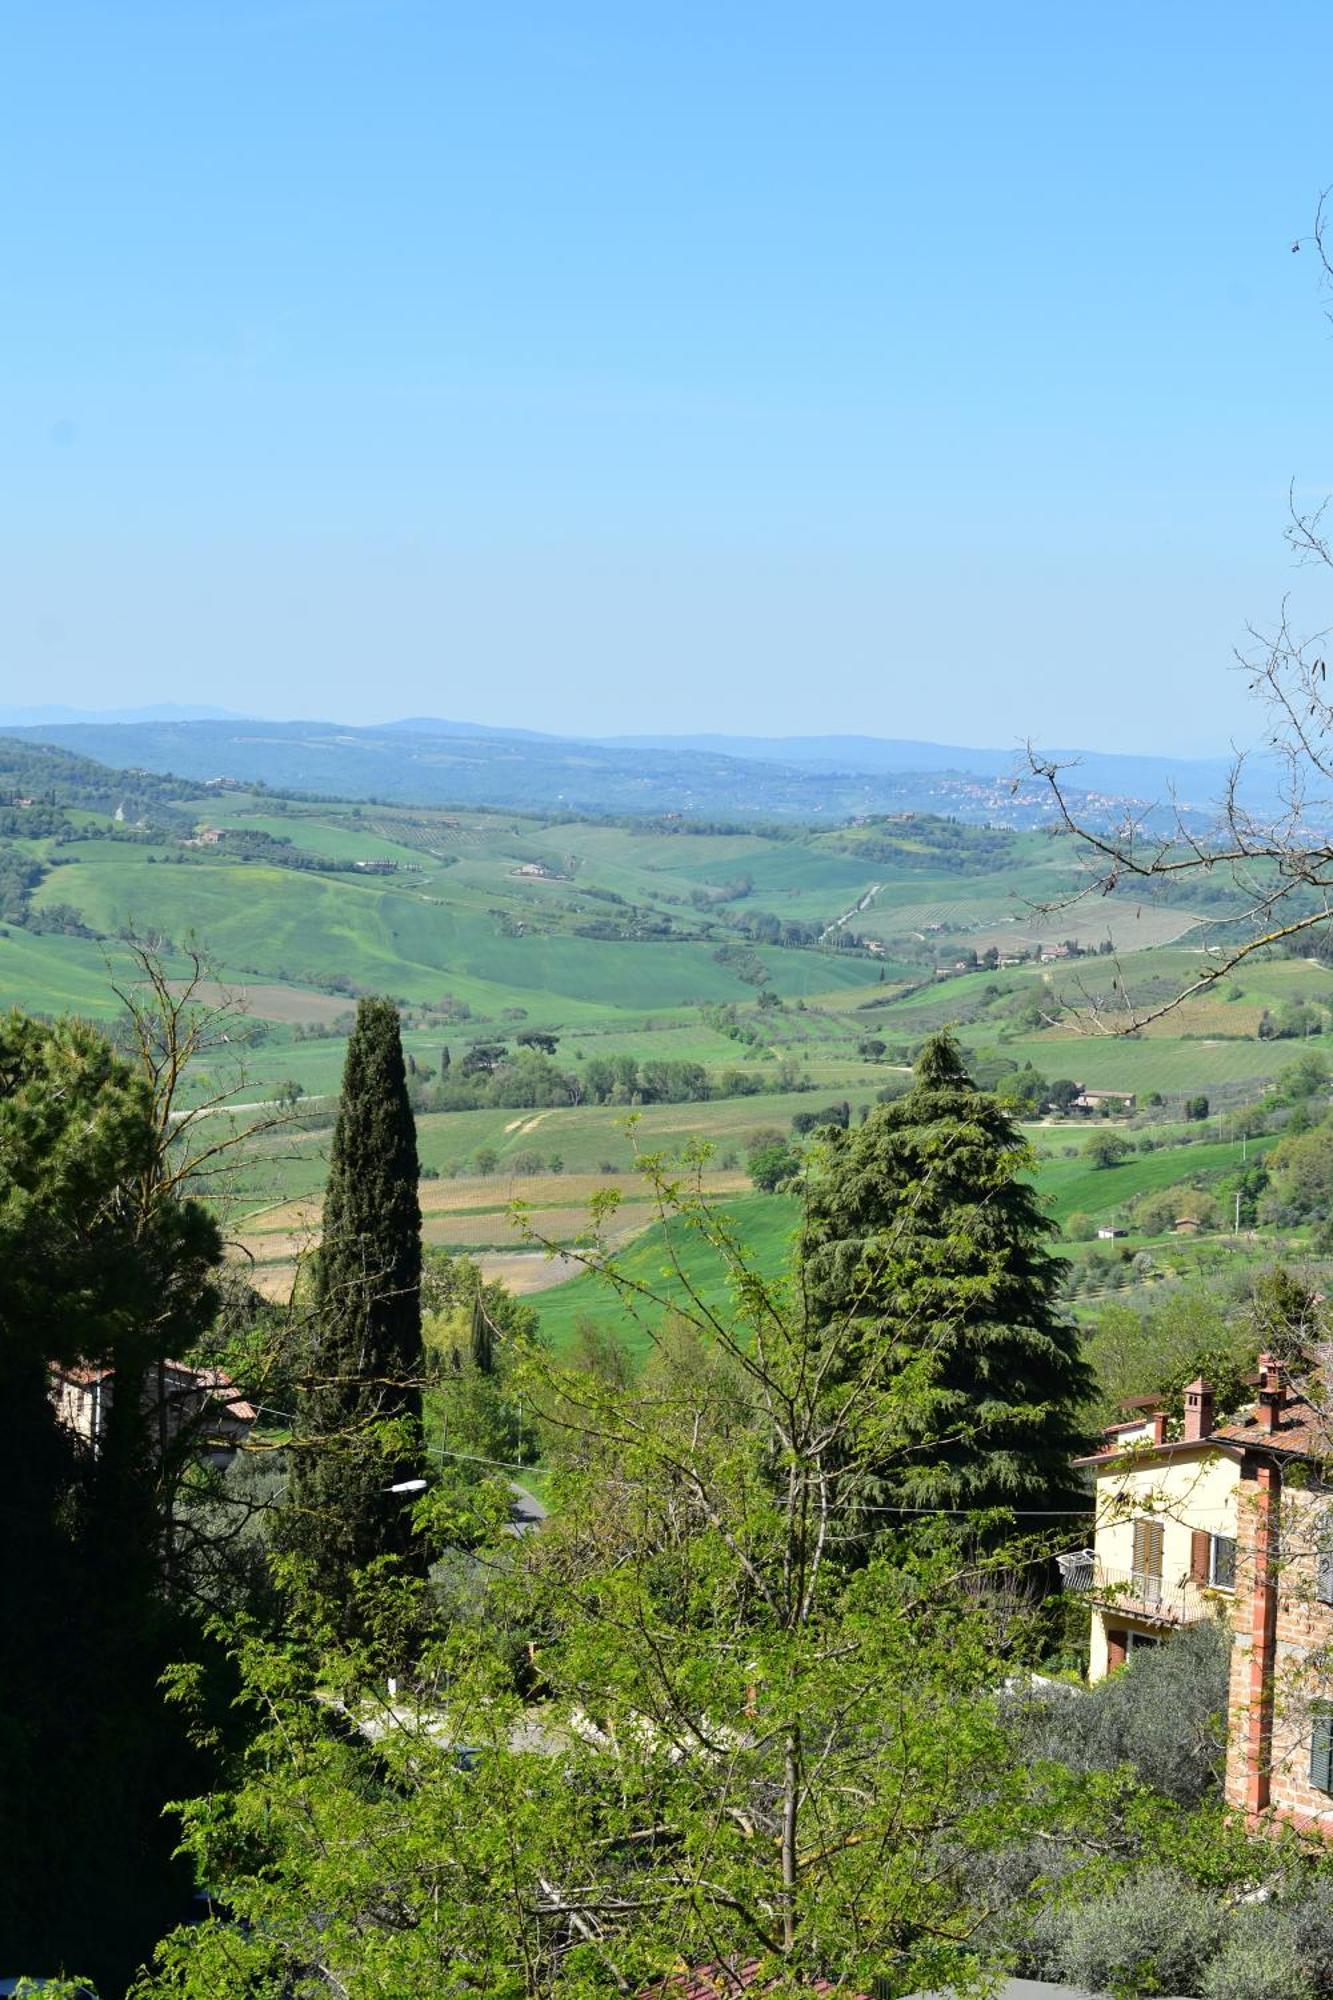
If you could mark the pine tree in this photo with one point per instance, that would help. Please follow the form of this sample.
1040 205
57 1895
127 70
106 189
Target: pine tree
923 1239
360 1430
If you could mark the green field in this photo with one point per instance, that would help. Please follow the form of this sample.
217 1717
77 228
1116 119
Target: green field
1073 1186
766 1224
652 941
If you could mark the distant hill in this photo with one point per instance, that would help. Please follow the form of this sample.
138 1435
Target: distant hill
427 761
58 779
164 711
1198 781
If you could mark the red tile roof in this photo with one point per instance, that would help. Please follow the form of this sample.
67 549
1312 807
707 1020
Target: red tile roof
215 1381
1302 1431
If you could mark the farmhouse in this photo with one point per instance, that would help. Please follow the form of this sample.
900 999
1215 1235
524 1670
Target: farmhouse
1104 1100
205 1400
1164 1533
1280 1738
1231 1521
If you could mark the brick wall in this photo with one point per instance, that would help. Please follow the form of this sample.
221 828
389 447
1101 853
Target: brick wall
1282 1650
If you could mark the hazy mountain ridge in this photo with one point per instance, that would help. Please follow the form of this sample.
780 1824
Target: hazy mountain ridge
431 761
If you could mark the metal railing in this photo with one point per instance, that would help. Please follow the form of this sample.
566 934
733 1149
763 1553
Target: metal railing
1158 1600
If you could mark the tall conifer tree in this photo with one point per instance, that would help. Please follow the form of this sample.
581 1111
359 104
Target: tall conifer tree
481 1338
924 1240
361 1420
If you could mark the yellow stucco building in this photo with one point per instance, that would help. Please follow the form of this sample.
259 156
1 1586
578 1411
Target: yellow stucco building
1164 1536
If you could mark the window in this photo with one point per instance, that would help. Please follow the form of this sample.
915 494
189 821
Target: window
1321 1746
1222 1562
1142 1642
1323 1578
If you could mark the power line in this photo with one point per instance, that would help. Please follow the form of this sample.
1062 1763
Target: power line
516 1465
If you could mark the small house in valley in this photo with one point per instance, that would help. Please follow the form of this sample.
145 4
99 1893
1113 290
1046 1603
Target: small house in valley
1109 1101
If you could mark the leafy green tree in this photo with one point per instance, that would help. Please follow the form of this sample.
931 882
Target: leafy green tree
482 1059
1290 1319
1106 1149
474 1329
1300 1171
360 1408
103 1263
744 1747
924 1258
772 1165
538 1038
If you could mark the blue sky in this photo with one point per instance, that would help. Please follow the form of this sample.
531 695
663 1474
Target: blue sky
916 371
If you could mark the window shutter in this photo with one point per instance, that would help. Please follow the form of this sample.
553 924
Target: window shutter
1200 1549
1323 1581
1148 1548
1321 1749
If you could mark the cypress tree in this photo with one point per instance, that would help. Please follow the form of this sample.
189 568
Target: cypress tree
923 1238
482 1340
360 1427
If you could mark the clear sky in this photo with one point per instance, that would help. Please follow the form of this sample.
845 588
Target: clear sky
927 371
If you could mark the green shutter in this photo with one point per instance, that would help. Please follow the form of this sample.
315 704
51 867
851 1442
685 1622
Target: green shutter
1323 1585
1224 1562
1321 1747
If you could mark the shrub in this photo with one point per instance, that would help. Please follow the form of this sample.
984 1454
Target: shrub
1152 1933
1260 1960
1163 1714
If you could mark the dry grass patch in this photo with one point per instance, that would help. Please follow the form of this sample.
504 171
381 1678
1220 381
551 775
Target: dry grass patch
284 1005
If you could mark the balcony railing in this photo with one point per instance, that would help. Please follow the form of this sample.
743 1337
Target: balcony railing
1155 1600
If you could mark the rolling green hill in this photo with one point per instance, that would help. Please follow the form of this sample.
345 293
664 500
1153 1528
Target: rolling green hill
788 966
764 1222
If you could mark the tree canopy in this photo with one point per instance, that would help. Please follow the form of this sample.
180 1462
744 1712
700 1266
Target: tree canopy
924 1256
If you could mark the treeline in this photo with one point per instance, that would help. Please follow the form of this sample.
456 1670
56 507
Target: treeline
20 872
242 844
492 1075
925 843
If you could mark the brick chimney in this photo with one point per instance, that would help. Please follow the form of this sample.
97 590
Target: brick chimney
1272 1393
1198 1410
